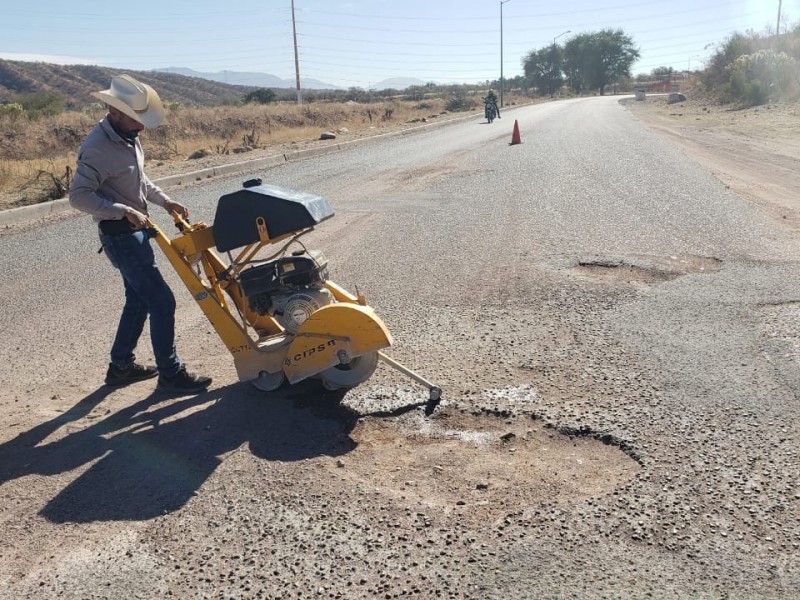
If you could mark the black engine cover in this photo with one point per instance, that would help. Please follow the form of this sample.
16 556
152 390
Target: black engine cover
283 211
285 273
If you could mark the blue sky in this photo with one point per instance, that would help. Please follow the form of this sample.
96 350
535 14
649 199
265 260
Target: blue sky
359 43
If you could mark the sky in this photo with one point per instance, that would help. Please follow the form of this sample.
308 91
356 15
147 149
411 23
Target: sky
360 43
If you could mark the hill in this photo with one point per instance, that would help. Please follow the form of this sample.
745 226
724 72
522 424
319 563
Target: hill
266 80
174 84
76 83
252 79
398 83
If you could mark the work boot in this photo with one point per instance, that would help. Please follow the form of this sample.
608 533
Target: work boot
136 372
183 382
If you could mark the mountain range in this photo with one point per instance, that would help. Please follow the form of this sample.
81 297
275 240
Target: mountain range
76 82
265 80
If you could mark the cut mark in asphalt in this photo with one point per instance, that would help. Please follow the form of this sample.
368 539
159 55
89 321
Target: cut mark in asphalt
479 466
649 270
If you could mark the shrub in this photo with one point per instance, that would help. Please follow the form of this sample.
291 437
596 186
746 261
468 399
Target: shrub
42 104
13 111
459 102
260 96
757 77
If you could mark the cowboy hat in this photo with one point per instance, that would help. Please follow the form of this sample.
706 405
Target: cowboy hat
135 99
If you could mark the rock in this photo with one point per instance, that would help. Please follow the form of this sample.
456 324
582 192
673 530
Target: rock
201 153
327 136
675 97
241 149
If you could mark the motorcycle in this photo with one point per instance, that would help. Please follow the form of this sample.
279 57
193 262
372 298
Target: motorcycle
490 111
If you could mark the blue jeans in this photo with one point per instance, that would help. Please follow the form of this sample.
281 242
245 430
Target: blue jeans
146 293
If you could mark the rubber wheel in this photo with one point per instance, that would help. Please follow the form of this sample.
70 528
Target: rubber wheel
269 382
350 374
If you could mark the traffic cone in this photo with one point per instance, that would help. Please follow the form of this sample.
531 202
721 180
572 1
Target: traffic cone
515 136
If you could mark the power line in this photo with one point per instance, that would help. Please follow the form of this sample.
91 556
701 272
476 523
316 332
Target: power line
516 16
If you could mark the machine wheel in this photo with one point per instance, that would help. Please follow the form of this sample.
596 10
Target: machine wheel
348 375
269 382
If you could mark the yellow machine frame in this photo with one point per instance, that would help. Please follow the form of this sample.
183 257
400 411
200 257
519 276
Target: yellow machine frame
333 335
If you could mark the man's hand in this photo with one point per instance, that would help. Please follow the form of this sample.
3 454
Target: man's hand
176 207
137 219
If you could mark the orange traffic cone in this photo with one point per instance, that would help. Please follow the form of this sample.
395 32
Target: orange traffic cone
515 136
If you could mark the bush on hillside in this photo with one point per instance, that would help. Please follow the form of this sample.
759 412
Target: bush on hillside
260 96
41 104
12 111
754 68
459 102
756 78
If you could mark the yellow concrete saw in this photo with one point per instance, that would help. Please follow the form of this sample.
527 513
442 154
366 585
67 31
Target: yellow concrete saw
280 316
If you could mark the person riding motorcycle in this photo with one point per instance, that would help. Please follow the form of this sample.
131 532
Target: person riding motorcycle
492 99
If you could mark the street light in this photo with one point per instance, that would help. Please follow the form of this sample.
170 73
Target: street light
550 84
559 35
501 50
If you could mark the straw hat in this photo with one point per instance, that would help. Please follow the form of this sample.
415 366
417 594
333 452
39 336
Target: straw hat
137 100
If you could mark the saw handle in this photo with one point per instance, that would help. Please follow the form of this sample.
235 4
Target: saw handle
434 390
180 222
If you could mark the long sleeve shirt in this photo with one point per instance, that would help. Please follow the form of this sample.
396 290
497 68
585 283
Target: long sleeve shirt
110 176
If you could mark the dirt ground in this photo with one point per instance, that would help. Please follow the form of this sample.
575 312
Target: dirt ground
754 151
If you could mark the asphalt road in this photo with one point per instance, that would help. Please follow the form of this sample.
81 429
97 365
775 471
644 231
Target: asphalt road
591 286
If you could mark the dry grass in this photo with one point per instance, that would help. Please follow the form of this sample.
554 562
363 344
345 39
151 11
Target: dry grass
35 156
25 182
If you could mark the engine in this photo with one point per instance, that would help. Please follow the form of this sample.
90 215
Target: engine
290 289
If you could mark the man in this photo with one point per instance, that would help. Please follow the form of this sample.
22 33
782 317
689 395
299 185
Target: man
110 184
492 99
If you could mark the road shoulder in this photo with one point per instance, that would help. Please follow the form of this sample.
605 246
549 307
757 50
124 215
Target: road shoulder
755 152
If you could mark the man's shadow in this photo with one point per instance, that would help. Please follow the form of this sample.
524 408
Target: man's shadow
146 461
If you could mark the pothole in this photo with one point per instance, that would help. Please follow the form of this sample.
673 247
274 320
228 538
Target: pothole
647 270
482 467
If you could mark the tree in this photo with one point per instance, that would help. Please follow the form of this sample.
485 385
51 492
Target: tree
615 56
260 96
575 62
543 68
41 104
595 60
662 74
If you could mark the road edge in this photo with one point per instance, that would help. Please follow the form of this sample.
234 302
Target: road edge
34 212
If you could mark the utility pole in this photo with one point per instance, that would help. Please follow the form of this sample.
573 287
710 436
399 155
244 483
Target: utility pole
550 83
778 24
501 50
296 59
